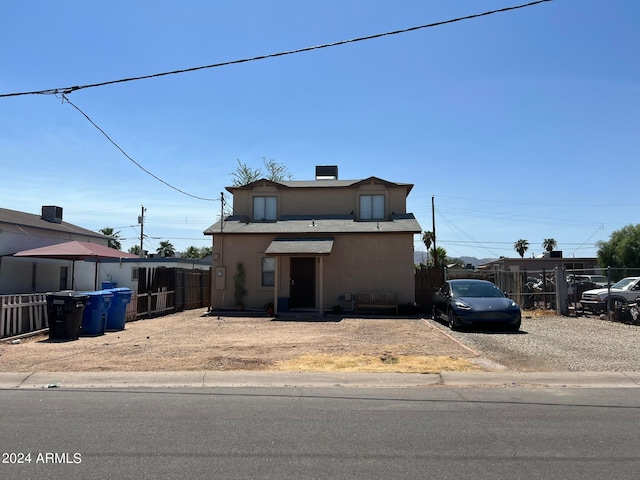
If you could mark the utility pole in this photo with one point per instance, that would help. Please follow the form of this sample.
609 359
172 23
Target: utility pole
433 229
141 222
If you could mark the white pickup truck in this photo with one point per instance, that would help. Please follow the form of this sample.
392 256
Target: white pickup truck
626 290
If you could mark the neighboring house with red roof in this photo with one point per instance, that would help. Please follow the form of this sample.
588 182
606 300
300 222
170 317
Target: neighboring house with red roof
315 244
22 231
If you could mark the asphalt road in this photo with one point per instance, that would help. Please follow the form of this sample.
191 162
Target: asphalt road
306 433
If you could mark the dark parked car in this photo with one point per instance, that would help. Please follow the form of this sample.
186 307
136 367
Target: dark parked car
469 302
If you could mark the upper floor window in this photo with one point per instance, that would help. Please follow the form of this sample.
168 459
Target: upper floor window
265 209
371 207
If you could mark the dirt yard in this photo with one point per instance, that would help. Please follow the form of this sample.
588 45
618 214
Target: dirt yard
193 340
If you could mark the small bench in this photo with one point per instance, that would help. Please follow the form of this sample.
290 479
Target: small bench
376 301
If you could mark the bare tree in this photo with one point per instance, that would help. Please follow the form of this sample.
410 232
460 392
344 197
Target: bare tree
274 171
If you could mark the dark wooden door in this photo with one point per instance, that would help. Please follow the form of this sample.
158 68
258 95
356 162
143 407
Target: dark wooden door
303 285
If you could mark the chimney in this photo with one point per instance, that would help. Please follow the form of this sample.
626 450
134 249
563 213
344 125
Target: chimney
326 172
51 214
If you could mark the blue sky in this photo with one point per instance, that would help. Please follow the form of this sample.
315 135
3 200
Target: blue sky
524 124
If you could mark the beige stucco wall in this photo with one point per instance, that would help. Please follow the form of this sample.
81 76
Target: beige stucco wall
358 263
320 200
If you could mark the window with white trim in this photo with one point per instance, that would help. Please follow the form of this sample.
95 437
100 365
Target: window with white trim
268 271
265 209
371 207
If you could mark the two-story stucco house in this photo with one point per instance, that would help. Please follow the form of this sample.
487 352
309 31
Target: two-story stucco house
315 244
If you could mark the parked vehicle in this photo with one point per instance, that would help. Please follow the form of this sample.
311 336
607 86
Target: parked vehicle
625 291
465 302
595 280
578 284
598 280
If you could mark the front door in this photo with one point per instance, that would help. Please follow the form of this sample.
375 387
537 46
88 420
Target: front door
303 284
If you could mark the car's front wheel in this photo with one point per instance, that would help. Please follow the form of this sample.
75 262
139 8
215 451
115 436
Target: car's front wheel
452 320
515 328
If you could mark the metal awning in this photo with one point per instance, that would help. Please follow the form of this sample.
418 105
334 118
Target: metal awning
300 246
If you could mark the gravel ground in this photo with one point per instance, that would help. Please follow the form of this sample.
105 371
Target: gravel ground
559 344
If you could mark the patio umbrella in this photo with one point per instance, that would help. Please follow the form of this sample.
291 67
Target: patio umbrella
76 250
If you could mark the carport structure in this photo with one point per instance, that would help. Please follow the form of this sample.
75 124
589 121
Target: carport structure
73 251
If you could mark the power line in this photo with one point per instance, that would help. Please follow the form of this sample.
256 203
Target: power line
64 97
67 90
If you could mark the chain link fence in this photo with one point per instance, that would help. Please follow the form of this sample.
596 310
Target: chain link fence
562 290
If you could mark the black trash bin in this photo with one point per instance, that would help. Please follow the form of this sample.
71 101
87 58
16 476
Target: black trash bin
65 311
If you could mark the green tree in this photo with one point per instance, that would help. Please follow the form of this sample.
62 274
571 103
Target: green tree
166 249
549 244
521 246
622 250
196 252
427 239
114 241
135 250
191 252
244 174
439 256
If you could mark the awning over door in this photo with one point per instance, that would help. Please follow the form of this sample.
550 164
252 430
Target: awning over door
300 246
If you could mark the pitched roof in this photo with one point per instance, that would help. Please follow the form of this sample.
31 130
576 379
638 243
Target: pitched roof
319 225
14 217
300 246
319 184
75 250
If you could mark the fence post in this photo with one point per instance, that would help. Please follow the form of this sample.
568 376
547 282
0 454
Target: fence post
561 292
609 293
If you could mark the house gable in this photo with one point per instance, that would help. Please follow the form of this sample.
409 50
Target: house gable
370 199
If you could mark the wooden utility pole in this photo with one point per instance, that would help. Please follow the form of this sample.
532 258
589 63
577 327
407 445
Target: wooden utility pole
141 222
433 229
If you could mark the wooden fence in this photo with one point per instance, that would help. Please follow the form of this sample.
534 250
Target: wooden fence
427 281
161 291
22 313
164 290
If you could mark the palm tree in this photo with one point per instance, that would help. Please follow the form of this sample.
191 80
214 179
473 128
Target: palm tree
549 244
521 246
166 249
427 239
114 241
439 256
135 250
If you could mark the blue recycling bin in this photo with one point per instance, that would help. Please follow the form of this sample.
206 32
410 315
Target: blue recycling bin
117 314
94 318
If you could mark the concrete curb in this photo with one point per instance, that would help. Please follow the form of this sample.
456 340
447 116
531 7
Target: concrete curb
211 379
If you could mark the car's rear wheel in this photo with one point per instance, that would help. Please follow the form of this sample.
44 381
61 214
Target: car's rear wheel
452 320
